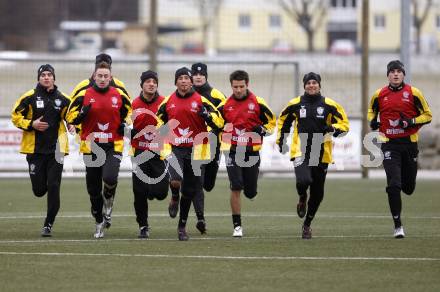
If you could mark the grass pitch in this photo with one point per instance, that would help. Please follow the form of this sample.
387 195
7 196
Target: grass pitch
352 247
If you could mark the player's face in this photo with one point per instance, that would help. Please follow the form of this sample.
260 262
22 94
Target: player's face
184 84
47 79
395 77
149 87
199 79
239 88
312 87
102 77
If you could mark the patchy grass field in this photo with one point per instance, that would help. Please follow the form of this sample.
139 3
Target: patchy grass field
352 247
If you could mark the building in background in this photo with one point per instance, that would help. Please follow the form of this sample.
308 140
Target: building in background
214 26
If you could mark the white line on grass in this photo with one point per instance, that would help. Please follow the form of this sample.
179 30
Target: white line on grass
252 214
212 257
55 241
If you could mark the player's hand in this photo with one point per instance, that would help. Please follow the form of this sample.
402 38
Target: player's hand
39 125
329 129
374 124
404 122
133 133
283 148
85 110
260 130
121 129
204 113
71 129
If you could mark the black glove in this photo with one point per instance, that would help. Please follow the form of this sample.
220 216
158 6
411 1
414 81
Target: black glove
82 114
204 113
260 130
85 110
374 124
404 122
121 128
283 148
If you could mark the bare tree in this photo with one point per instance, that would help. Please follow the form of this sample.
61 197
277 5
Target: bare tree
419 18
208 11
309 14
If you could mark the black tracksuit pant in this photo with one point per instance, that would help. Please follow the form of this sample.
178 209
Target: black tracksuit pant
400 164
45 173
102 166
150 181
312 177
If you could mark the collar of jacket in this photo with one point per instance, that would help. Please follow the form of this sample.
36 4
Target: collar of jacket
99 89
244 98
205 88
396 88
41 89
188 94
141 96
312 97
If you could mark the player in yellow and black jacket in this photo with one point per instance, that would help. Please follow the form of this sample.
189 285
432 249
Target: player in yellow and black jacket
40 113
315 119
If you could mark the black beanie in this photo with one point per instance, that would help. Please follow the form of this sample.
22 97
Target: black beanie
147 75
45 67
395 64
199 68
180 72
312 76
103 58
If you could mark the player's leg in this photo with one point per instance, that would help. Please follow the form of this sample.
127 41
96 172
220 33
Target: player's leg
110 172
54 171
250 177
140 189
392 164
236 184
191 184
211 170
316 195
303 181
198 202
37 173
409 168
175 170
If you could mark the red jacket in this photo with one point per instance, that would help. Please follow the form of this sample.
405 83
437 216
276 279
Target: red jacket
145 122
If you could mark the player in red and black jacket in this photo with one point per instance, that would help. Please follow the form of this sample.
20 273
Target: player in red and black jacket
150 175
101 111
398 110
247 120
209 171
86 83
187 115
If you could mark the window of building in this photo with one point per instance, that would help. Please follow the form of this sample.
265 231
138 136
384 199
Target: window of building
244 21
275 21
437 21
379 21
343 3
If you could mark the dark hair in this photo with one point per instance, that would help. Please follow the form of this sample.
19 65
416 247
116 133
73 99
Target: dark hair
239 75
103 58
103 65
